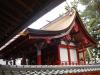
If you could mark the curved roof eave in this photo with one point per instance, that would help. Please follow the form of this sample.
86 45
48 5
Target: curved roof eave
93 41
51 32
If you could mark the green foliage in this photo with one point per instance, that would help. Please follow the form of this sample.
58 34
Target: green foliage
92 19
84 2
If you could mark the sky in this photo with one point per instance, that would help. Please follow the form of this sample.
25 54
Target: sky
53 14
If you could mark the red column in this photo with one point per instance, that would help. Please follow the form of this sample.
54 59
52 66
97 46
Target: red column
84 58
69 59
39 47
77 56
58 54
38 57
83 50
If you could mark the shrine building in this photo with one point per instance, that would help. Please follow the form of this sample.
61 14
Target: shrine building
63 41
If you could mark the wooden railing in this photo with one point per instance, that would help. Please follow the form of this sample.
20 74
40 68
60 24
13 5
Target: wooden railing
50 70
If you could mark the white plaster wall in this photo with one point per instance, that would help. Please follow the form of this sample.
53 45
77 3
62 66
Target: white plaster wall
18 61
2 62
73 55
63 54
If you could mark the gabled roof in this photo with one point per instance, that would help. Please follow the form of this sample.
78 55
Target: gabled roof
57 28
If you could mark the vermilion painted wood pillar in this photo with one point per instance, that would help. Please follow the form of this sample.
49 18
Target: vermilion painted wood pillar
38 57
77 56
69 59
39 47
84 57
58 54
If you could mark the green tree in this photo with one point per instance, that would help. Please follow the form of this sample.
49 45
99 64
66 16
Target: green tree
91 17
